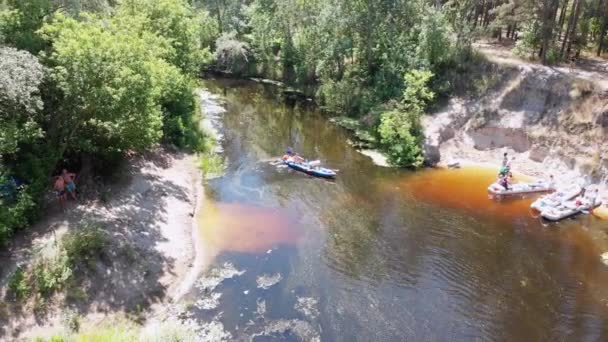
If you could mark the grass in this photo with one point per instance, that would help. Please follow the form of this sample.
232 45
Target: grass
127 331
114 333
18 284
48 274
211 164
83 245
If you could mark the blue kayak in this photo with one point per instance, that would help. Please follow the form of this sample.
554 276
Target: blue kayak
313 171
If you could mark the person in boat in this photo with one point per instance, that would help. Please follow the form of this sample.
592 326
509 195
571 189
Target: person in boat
506 165
581 199
594 198
504 181
291 156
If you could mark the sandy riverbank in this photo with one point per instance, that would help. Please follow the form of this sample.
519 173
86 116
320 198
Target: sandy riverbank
153 254
524 168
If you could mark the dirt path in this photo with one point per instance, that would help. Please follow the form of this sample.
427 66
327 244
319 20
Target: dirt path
590 69
150 221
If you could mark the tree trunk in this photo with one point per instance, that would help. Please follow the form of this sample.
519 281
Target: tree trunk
562 19
219 16
574 23
478 13
603 28
486 15
569 28
547 28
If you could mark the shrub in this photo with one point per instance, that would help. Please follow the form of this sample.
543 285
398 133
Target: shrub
401 139
50 275
400 131
83 245
18 284
231 55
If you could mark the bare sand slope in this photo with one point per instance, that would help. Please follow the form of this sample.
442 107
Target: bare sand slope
149 219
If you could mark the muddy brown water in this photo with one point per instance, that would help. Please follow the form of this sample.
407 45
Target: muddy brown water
380 254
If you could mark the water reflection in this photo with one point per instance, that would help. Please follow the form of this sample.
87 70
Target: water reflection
384 254
247 229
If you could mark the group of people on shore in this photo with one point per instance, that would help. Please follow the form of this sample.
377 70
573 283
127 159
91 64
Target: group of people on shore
63 185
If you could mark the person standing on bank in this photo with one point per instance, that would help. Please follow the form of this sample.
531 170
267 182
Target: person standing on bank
69 179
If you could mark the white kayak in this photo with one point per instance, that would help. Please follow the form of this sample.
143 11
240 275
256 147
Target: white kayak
520 188
557 198
567 209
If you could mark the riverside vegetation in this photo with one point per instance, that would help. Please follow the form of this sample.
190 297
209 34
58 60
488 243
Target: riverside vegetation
88 80
85 82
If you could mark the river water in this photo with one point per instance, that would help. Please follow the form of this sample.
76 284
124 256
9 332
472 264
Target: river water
379 254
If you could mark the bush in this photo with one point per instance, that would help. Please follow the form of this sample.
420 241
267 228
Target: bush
400 131
83 245
231 55
347 96
401 138
18 284
50 275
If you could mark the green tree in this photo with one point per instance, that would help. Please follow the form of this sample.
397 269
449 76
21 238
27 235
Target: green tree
110 74
400 130
20 104
19 23
21 77
179 24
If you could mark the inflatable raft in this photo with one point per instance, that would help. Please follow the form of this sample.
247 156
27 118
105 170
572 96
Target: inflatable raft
567 209
555 199
311 169
520 188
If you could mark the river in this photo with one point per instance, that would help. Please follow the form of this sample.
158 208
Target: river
379 254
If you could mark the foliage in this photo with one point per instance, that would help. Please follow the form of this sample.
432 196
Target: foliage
434 45
110 78
399 130
18 24
231 55
174 330
105 83
211 163
121 332
21 120
20 104
83 245
18 284
51 273
399 134
176 21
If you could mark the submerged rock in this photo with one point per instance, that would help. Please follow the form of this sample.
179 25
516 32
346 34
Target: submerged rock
266 281
307 306
216 276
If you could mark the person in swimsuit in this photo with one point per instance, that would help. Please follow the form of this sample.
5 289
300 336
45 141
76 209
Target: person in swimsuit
69 178
60 192
504 181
